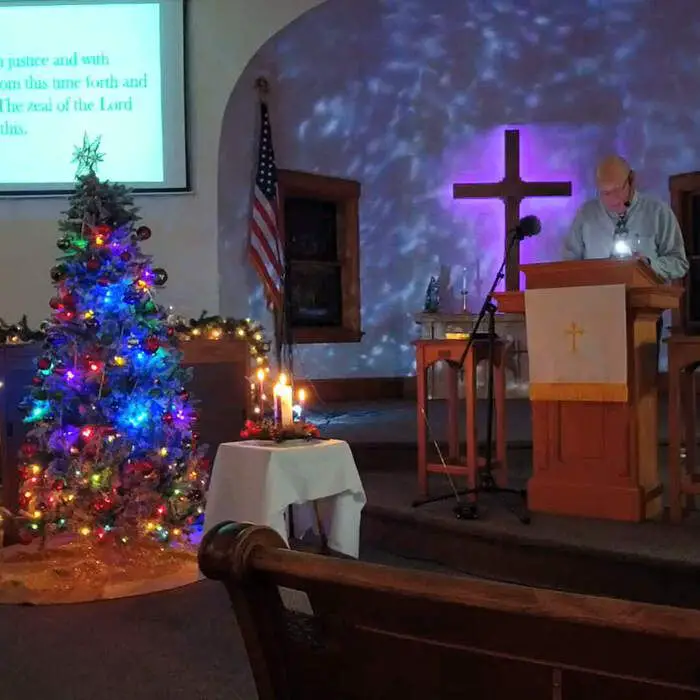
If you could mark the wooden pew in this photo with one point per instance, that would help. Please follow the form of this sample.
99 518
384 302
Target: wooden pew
379 632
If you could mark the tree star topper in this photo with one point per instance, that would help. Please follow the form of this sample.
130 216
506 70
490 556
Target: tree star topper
88 156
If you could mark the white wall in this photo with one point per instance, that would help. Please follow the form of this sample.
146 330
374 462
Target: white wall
223 36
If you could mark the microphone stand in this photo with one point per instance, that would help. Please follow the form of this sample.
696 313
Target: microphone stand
485 482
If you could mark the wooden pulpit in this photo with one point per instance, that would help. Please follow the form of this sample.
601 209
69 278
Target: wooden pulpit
595 448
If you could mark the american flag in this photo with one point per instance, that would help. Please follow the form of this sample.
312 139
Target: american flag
264 241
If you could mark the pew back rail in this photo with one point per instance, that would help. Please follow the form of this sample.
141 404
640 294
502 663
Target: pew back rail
371 631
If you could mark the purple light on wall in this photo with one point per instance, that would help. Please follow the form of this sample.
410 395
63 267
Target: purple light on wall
543 158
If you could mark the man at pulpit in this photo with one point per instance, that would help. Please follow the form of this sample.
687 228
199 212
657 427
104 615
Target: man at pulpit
623 222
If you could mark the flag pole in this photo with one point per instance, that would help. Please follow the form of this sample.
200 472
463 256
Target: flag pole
262 87
282 309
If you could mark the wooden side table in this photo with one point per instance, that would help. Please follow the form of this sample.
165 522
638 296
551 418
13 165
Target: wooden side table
428 352
683 481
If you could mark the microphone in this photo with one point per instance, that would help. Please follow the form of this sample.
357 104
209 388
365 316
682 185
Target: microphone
527 226
628 203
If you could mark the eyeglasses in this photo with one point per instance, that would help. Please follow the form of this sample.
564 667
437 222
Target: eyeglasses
613 191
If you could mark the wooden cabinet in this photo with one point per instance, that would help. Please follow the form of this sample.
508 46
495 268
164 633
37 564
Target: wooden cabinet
17 367
219 385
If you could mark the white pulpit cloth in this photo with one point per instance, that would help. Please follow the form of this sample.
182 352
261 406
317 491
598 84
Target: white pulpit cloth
577 335
256 481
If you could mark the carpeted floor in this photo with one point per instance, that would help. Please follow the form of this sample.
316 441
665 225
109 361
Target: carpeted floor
179 645
376 422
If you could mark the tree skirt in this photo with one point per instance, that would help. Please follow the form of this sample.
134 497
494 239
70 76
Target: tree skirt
74 571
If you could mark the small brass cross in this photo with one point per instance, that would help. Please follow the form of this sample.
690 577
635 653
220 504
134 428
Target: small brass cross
574 331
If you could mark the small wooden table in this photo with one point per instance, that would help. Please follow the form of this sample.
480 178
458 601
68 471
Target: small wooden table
428 352
683 481
256 481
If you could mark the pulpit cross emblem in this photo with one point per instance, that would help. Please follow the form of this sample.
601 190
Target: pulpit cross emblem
574 331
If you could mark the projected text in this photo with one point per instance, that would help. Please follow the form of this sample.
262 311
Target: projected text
25 89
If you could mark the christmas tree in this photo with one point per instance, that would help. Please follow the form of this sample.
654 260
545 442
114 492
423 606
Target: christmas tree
112 452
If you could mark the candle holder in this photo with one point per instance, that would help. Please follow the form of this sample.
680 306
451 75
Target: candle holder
282 425
267 429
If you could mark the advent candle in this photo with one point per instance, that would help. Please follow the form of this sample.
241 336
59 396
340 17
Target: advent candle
261 391
301 395
283 402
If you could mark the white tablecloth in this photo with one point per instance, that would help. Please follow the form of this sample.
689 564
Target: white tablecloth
256 481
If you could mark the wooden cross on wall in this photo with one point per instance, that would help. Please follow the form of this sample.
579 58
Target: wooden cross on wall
512 189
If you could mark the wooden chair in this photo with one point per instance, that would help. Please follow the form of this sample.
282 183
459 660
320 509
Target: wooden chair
683 481
430 351
355 631
684 352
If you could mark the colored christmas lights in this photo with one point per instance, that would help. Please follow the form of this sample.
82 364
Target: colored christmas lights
113 450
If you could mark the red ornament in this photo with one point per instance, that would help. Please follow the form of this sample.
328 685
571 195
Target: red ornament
68 300
55 303
44 363
37 381
103 281
151 344
143 233
93 264
29 449
167 417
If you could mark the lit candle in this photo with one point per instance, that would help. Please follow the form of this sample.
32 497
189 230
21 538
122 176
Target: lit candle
301 395
463 291
283 402
261 392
